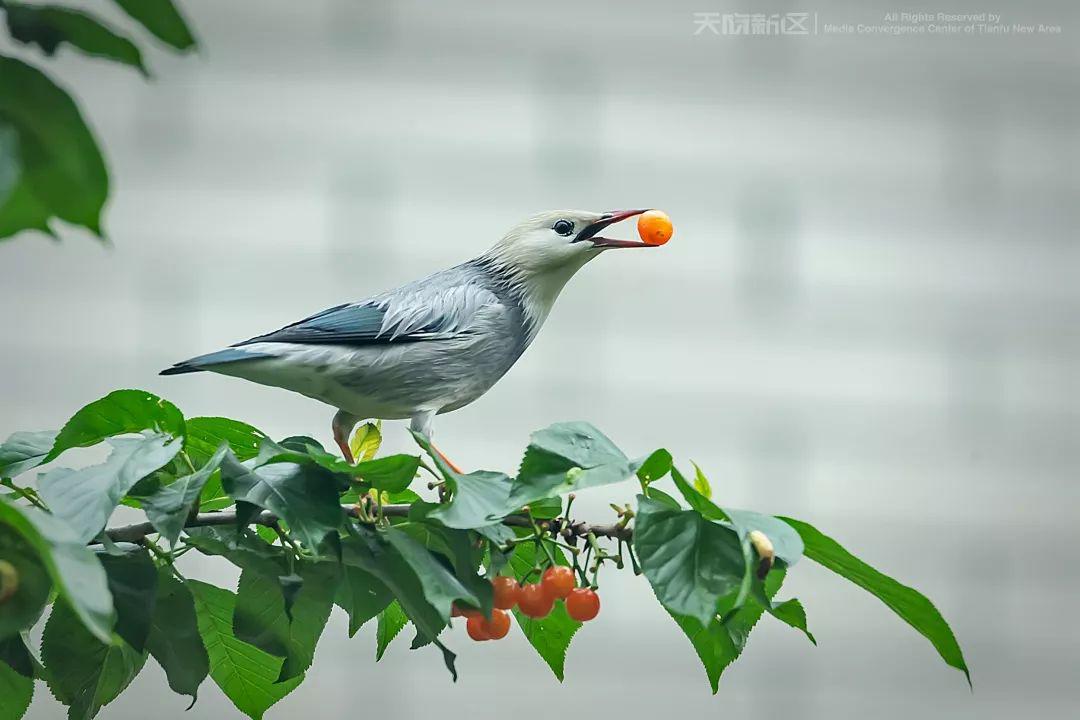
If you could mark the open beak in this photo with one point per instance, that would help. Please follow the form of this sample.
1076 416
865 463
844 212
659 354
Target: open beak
610 218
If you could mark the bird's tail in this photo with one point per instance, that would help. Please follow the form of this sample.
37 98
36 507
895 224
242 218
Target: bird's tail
212 361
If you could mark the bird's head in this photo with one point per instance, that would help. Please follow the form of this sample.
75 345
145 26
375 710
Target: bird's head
559 241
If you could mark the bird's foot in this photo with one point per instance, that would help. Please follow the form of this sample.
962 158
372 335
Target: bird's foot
342 426
343 443
448 461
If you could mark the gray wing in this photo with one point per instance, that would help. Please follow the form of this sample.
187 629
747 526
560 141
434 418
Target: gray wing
440 306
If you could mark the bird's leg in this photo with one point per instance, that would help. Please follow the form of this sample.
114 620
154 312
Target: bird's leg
447 460
342 425
421 423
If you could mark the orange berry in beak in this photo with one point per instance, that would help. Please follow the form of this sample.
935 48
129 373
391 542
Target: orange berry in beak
654 227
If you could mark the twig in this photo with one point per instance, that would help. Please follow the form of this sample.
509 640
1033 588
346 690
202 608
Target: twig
135 533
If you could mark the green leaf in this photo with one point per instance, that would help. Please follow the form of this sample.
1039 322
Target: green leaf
695 499
719 644
480 499
9 161
24 451
460 550
61 173
366 441
49 25
787 545
246 674
120 412
791 612
86 498
75 572
391 621
701 483
655 493
392 473
15 652
174 639
84 673
911 605
168 509
21 567
370 550
362 596
205 435
550 636
654 467
16 678
689 561
545 508
302 495
566 457
441 587
261 617
162 19
132 581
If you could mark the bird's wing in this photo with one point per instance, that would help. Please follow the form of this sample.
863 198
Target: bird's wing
438 307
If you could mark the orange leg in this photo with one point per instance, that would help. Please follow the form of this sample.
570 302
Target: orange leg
447 460
342 426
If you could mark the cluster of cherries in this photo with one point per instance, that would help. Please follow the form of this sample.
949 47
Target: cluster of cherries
533 599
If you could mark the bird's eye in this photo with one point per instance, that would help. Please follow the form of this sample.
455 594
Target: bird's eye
563 227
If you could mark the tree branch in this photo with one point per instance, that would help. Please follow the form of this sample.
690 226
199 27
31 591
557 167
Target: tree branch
567 528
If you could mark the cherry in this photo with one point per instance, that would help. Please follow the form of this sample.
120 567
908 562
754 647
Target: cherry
506 592
654 227
462 611
497 625
534 602
583 604
558 581
476 625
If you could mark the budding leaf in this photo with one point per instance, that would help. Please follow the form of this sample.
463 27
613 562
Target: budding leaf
365 441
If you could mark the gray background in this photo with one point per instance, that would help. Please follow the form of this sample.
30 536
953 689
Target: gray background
867 317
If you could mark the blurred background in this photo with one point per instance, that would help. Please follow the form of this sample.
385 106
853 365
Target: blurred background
867 317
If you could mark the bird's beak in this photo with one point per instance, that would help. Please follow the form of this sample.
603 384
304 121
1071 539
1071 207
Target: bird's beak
610 218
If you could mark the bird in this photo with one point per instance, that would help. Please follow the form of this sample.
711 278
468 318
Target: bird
432 345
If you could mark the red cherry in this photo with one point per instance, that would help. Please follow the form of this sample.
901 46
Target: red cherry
534 601
558 581
583 604
506 592
477 627
497 625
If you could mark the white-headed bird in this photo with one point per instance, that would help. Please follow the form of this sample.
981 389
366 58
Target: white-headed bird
432 345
